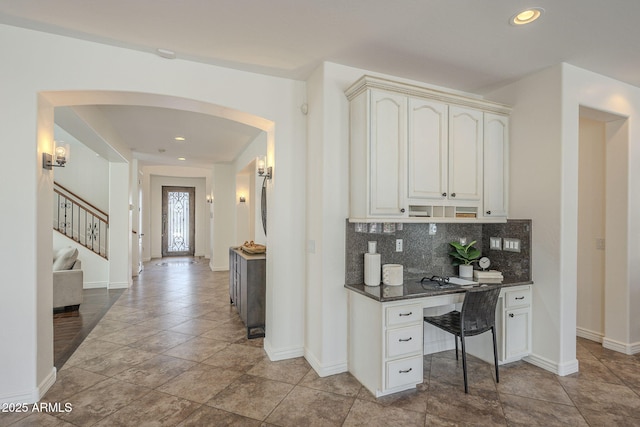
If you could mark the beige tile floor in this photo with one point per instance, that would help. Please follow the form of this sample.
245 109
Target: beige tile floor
172 351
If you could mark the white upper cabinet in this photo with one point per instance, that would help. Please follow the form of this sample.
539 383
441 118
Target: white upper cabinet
377 151
387 153
428 155
418 155
465 154
496 161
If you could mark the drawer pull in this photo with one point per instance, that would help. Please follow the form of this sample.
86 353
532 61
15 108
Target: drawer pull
406 314
511 315
405 339
405 371
519 297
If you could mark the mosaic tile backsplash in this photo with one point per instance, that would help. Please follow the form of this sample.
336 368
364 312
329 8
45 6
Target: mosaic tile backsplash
425 254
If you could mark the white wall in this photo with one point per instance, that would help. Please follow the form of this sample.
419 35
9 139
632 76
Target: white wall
268 103
591 229
201 212
544 187
86 174
224 215
246 161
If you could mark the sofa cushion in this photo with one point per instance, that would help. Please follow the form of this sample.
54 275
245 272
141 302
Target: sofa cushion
65 258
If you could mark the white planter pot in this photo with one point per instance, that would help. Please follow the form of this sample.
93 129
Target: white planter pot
465 270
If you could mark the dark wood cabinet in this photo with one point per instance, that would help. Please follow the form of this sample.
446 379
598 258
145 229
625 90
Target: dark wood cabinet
247 288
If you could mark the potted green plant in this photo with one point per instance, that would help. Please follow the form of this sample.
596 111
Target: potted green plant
464 256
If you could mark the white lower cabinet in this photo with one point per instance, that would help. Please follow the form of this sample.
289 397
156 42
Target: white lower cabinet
385 344
513 327
404 372
387 339
516 334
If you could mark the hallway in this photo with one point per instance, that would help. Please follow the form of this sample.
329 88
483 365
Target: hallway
172 351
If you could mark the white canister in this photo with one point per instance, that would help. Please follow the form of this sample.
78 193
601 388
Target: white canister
392 274
372 269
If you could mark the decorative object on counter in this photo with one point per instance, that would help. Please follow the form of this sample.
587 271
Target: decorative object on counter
372 265
392 274
484 263
488 276
253 248
464 256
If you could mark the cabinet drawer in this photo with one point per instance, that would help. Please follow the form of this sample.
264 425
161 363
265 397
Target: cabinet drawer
402 341
517 298
404 372
403 314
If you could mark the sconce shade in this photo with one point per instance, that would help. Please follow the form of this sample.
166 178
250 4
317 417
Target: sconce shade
60 157
261 168
242 199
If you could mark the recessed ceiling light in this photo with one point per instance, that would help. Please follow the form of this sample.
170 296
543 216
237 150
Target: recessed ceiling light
166 53
181 158
180 138
526 16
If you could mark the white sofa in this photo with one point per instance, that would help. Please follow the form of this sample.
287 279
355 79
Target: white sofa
67 279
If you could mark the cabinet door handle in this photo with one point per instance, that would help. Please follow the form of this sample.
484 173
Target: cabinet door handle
519 297
405 339
510 314
444 194
402 210
453 194
488 212
406 314
405 371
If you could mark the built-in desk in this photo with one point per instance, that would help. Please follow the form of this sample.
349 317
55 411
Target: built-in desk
388 337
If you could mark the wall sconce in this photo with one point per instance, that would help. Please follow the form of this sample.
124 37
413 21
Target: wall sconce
261 172
209 198
60 153
242 199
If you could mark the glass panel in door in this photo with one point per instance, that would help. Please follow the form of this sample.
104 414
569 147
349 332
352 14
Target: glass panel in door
178 221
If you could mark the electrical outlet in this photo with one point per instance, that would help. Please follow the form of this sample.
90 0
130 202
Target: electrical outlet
433 228
398 245
511 245
495 243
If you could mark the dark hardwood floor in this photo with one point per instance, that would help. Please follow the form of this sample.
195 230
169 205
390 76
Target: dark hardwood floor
70 328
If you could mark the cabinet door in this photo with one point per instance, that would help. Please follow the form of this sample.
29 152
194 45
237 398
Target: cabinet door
496 158
387 151
517 325
465 153
427 161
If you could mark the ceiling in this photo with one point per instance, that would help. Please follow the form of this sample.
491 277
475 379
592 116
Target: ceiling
467 45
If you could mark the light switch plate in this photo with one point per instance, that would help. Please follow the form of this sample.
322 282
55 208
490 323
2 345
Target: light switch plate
495 243
511 245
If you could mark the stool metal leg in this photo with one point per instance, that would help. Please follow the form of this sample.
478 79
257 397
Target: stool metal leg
464 364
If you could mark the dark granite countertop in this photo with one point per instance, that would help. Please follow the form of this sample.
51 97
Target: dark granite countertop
412 288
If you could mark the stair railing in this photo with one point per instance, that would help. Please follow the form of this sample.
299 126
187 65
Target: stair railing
80 220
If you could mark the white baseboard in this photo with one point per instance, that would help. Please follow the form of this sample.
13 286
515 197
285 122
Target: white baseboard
283 353
589 335
95 285
32 396
20 397
630 349
561 369
218 268
119 285
325 370
46 384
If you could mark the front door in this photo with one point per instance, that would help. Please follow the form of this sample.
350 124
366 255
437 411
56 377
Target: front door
178 221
